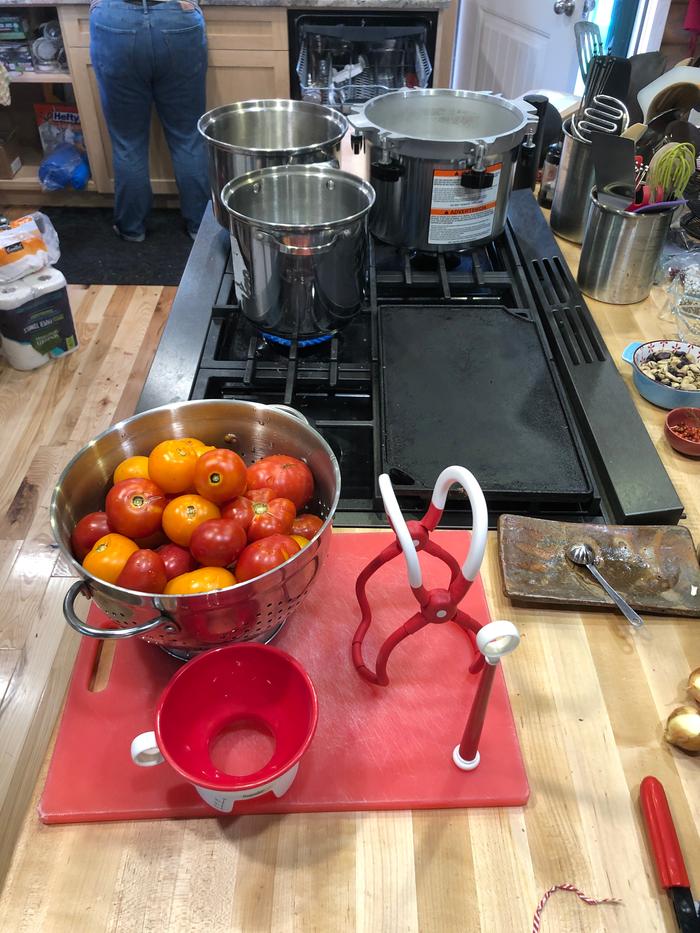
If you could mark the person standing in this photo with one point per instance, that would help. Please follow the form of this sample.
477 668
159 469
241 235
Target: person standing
146 53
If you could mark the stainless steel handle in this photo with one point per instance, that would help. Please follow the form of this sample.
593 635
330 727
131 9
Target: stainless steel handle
288 249
288 410
76 623
627 611
564 6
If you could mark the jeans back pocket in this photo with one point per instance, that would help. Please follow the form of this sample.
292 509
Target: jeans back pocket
111 48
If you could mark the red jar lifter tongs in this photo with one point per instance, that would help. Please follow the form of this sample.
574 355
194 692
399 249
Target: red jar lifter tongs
491 641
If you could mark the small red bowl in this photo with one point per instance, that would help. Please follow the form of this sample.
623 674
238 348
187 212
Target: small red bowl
683 445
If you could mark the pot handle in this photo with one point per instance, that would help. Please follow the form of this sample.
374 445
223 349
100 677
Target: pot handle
290 250
72 619
629 351
287 409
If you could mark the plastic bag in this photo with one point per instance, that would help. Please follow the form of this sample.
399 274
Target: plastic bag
681 278
65 166
27 245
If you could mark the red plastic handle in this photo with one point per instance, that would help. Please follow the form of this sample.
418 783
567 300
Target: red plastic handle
662 835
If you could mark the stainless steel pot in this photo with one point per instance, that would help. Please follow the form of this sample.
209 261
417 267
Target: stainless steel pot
255 134
185 625
442 165
299 247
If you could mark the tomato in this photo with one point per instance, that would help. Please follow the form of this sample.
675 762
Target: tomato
220 475
144 571
198 446
171 464
135 507
108 557
131 468
301 540
217 542
307 525
264 555
271 518
290 478
177 560
204 580
88 530
184 514
240 510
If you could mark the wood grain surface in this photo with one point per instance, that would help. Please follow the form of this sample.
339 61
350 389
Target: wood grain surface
589 697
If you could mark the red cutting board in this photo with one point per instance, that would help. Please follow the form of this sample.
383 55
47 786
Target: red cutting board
376 748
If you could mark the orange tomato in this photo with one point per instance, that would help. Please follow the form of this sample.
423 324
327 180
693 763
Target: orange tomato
204 580
131 468
108 557
300 540
171 465
184 514
199 446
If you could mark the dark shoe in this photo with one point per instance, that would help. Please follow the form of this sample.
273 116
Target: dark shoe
139 238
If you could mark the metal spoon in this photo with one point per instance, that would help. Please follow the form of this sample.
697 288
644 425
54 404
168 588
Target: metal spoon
583 555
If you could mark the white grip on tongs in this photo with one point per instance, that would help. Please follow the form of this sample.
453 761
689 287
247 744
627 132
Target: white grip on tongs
480 520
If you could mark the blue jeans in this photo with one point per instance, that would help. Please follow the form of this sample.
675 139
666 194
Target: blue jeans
145 54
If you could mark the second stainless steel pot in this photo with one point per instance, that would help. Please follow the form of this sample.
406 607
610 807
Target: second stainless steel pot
442 165
254 134
299 247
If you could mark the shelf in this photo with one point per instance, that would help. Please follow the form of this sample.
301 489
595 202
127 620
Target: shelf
40 77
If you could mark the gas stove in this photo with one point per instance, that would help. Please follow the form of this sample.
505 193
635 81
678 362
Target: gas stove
489 359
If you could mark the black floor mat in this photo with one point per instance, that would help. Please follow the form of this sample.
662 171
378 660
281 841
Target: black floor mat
92 254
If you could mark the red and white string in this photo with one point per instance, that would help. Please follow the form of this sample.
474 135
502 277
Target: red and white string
593 901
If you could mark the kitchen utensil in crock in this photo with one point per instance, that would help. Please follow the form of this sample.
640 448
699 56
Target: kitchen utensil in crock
184 625
681 131
492 641
613 163
635 131
582 555
589 43
657 393
207 705
668 857
684 445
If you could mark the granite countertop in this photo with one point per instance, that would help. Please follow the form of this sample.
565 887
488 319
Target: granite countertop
296 4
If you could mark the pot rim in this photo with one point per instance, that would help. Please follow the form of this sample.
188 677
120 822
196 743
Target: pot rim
653 382
271 104
160 597
260 174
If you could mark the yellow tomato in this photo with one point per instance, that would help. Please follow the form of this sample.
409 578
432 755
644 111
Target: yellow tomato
131 468
199 446
204 580
184 514
108 556
301 540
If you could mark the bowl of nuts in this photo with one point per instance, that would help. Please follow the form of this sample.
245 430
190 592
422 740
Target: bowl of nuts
682 430
666 372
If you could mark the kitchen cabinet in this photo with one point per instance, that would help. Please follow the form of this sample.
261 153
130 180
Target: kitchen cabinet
247 59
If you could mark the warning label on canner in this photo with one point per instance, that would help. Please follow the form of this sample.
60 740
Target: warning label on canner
459 214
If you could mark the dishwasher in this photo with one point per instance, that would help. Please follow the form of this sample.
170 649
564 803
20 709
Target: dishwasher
345 59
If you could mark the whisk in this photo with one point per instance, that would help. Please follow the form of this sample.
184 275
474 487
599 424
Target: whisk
670 169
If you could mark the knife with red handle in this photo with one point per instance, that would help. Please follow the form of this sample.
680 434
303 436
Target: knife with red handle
670 866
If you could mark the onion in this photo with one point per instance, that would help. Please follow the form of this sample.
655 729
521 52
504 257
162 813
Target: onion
683 728
694 684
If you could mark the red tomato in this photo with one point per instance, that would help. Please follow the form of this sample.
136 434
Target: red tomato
271 518
177 560
306 525
144 571
288 477
240 510
217 542
264 555
135 507
220 475
89 530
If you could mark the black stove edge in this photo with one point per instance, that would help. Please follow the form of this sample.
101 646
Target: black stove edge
173 371
632 476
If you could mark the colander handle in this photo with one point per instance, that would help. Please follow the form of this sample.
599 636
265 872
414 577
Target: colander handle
74 622
287 409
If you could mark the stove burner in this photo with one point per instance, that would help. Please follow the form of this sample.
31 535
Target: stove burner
428 262
310 342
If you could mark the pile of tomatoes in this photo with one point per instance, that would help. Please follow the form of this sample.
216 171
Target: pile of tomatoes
190 518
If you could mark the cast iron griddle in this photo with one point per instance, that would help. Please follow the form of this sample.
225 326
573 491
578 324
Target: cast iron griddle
472 386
